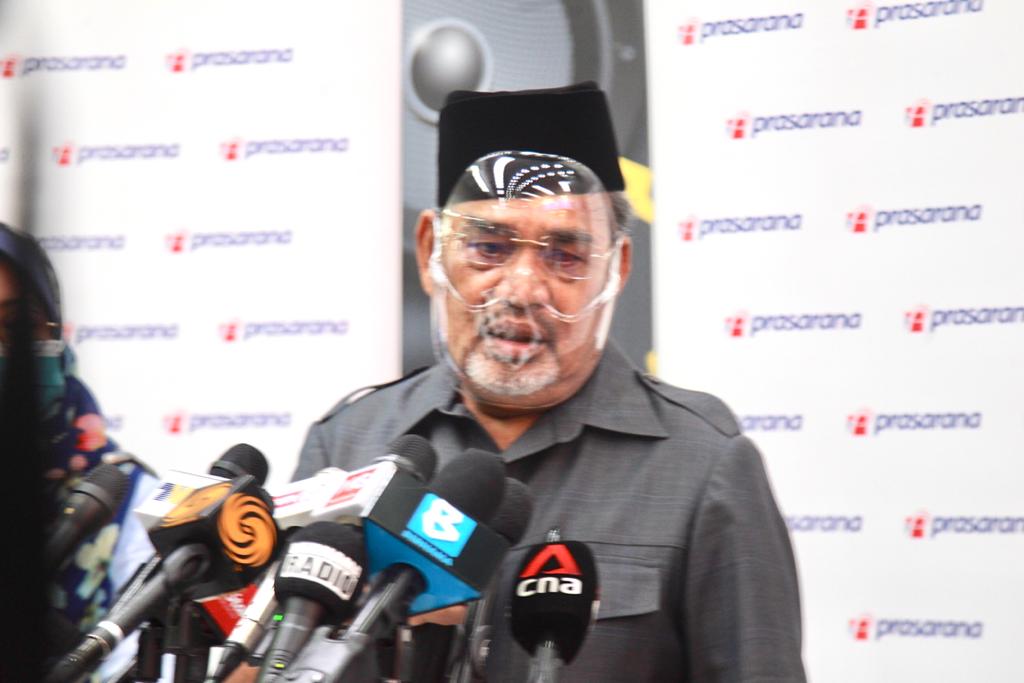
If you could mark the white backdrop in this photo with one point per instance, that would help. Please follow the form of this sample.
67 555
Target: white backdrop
837 234
837 246
218 190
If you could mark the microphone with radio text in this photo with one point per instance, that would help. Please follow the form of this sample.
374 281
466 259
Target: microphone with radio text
331 494
427 549
318 577
553 605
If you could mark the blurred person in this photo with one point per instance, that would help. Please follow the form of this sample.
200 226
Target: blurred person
523 263
73 439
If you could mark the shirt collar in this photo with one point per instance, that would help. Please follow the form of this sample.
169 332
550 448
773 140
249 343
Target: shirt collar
613 399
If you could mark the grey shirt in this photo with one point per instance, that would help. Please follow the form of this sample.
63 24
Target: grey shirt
697 579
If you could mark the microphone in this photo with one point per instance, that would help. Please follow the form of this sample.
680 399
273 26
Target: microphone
88 508
221 534
239 460
318 577
554 604
426 548
178 485
469 652
335 495
331 494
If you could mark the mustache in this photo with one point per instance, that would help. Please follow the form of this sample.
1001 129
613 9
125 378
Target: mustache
509 321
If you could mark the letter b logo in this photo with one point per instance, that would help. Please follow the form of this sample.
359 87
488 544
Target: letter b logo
440 520
442 524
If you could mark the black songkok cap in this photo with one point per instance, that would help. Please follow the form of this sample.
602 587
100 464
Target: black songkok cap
573 121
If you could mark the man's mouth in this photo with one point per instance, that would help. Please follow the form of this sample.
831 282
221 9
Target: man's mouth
512 343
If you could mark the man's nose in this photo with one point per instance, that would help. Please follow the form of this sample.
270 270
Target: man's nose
525 282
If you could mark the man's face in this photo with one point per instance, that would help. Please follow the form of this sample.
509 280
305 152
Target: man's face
518 326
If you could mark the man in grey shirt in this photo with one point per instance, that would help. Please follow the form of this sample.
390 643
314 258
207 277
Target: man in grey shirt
523 265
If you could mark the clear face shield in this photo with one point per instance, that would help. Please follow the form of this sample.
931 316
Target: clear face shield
525 266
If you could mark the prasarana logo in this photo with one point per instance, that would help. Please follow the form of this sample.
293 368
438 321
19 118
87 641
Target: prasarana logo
189 509
247 530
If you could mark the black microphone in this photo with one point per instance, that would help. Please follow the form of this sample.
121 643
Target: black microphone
469 652
88 508
318 577
297 505
221 534
412 538
515 511
239 460
553 605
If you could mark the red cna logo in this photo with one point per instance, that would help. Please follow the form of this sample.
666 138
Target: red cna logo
552 560
231 149
859 423
917 113
858 18
175 422
736 325
176 242
860 627
9 66
229 330
688 32
64 154
916 320
916 525
738 127
859 219
178 61
686 228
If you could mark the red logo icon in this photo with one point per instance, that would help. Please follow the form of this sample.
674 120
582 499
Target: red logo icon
175 423
739 127
9 66
917 113
858 17
64 154
736 325
860 627
916 525
859 219
68 330
552 559
177 61
230 149
688 32
229 330
354 483
859 423
916 320
176 241
686 228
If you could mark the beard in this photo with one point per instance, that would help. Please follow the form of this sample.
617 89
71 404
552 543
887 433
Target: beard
514 355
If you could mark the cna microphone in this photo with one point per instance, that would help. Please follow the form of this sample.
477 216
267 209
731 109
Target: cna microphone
427 546
331 494
218 538
92 503
319 575
553 605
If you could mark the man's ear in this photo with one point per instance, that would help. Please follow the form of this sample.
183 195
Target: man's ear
625 262
424 247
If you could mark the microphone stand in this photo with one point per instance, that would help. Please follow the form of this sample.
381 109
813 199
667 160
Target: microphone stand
545 664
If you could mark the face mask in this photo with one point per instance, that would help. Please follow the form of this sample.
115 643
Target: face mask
49 369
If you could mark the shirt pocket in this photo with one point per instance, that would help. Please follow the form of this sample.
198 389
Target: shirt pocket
627 590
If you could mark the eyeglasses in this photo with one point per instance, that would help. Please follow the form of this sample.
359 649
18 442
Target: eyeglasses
483 244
